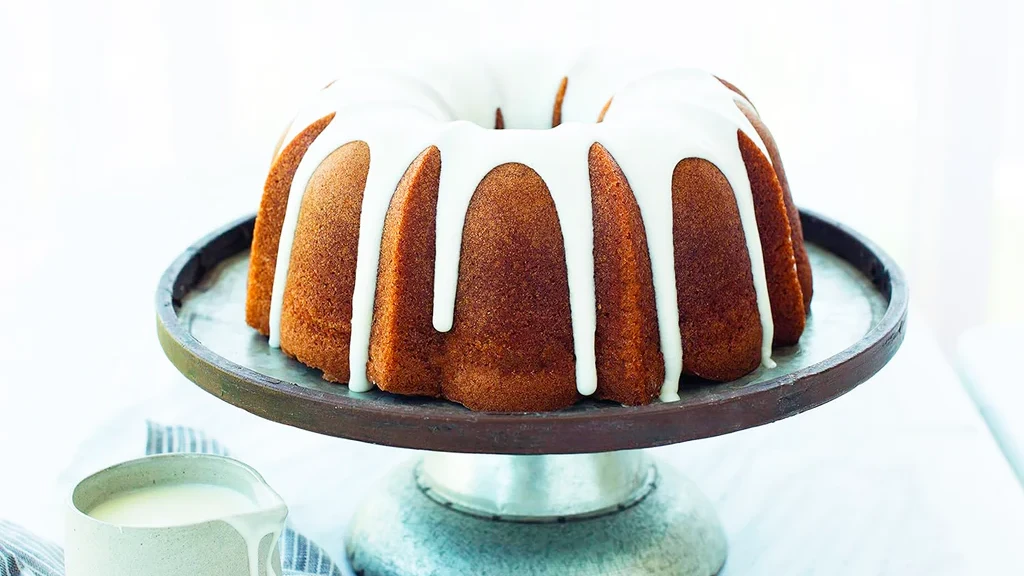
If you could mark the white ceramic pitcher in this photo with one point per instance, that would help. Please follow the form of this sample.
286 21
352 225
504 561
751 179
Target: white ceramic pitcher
240 544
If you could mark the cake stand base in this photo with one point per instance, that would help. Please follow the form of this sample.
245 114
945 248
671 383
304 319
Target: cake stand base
417 523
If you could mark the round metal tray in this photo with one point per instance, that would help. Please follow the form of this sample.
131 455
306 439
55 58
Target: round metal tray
857 322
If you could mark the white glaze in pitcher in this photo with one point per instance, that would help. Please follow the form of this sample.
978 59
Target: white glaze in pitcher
174 514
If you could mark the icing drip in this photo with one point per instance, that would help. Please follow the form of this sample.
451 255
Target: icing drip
568 181
684 114
253 535
253 528
653 122
396 133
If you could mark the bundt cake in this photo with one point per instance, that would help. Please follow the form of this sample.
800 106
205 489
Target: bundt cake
466 253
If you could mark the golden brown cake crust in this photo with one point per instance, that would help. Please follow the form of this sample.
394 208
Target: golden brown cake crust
269 220
780 269
803 264
630 367
556 116
733 87
718 314
316 314
405 349
607 105
511 347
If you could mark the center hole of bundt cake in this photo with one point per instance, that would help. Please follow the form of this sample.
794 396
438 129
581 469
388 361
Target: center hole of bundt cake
556 113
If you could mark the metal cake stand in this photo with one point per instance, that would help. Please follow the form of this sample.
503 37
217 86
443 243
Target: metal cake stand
566 492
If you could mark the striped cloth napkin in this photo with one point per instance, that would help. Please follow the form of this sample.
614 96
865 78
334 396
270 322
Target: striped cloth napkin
23 554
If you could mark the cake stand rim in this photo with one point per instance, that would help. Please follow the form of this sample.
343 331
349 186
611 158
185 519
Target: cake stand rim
524 433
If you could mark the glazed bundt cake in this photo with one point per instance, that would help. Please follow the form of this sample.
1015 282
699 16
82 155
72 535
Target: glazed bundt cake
466 254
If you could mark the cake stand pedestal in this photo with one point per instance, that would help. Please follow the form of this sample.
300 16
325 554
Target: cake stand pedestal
605 513
567 492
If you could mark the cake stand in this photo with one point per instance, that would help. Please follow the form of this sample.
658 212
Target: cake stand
566 492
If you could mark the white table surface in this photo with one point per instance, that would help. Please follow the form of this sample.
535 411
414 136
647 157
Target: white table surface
900 476
988 360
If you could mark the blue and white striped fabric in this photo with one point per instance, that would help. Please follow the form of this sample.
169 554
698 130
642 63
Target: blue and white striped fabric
173 439
23 554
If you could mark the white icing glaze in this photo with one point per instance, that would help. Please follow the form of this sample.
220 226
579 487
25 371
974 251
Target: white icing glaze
253 528
267 519
602 72
654 121
166 505
163 505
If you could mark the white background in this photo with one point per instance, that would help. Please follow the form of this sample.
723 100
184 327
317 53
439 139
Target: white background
129 129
